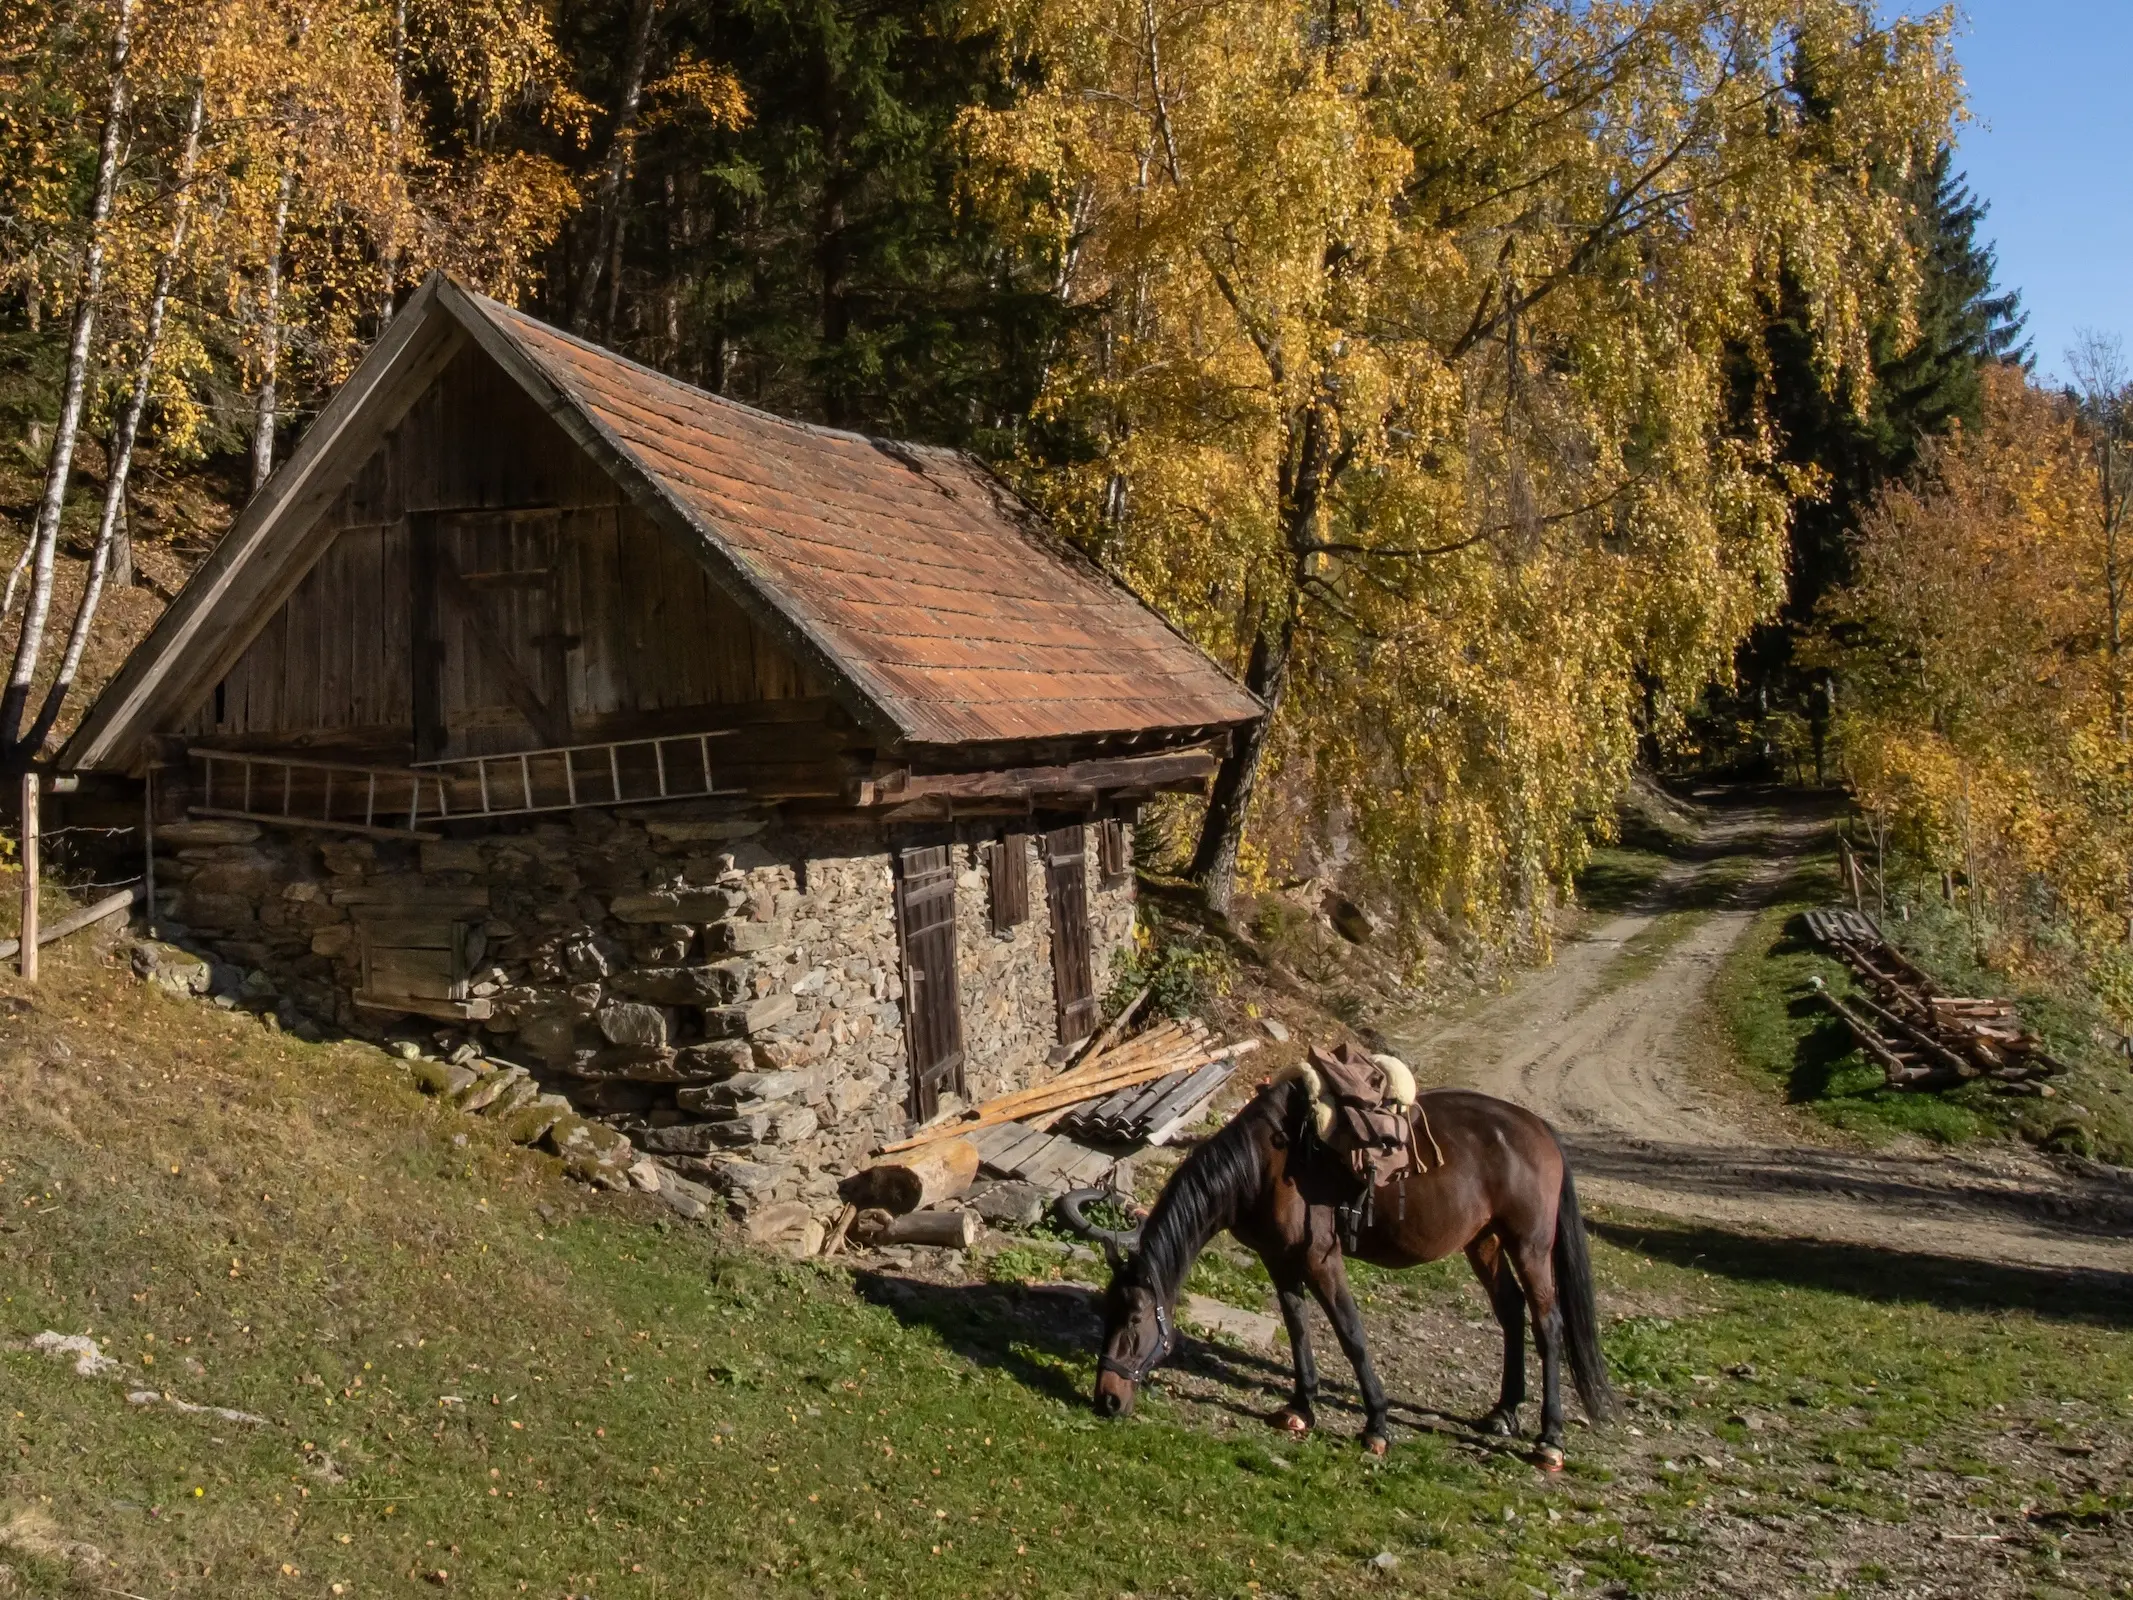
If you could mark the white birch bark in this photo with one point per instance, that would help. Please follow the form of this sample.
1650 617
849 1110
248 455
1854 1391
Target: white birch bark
44 536
267 402
128 430
396 128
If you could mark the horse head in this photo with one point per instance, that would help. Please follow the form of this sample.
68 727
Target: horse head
1137 1327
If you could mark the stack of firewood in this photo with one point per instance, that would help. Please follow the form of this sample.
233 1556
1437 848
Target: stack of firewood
1920 1037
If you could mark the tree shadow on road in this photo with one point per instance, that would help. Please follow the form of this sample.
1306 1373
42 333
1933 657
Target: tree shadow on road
1867 1272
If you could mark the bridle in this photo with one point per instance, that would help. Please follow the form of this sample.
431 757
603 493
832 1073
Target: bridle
1137 1374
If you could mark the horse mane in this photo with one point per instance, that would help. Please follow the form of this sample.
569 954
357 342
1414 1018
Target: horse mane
1206 1192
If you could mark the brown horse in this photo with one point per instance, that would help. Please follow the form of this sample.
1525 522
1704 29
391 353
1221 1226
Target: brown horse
1502 1193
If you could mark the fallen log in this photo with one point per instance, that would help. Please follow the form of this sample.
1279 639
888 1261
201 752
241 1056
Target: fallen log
1921 1040
74 921
1899 1073
947 1230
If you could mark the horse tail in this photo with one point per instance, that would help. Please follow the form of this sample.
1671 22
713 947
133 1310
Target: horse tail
1580 1311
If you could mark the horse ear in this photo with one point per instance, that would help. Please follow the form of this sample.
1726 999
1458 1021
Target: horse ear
1119 1258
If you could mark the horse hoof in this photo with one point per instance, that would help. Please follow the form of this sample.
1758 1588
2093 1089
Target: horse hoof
1292 1422
1548 1458
1376 1444
1500 1426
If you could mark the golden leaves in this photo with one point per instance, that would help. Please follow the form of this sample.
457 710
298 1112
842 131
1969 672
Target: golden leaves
695 87
1981 650
318 154
1417 336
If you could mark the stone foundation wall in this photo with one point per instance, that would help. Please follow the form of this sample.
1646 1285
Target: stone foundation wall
723 988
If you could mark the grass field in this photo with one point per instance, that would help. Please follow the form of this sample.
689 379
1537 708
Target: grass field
480 1379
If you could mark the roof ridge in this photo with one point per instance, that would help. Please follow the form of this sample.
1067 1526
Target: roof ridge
822 429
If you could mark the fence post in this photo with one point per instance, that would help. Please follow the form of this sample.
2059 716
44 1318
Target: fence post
30 798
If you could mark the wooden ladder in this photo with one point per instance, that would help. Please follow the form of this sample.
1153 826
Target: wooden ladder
395 802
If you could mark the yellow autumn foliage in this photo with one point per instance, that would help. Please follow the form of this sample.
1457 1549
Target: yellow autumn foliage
1982 709
1423 374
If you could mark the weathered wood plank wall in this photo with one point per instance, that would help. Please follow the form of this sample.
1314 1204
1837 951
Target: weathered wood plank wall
586 600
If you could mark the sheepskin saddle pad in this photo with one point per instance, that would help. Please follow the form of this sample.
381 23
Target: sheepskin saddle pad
1363 1110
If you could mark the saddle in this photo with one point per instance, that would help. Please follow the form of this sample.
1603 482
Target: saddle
1364 1115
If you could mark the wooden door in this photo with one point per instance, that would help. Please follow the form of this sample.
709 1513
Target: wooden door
488 664
1066 887
933 1014
1008 861
420 965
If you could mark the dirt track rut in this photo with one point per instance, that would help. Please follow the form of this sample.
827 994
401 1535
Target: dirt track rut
1619 1045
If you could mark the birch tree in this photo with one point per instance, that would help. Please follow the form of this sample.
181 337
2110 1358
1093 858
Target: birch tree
1981 699
119 456
1421 335
15 751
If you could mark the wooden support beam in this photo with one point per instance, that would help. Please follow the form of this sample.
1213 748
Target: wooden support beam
110 906
31 796
1078 778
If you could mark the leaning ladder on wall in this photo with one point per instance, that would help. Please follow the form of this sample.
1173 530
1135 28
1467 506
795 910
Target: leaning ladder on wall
396 801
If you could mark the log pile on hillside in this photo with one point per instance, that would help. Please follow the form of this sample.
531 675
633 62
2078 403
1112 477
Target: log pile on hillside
1920 1037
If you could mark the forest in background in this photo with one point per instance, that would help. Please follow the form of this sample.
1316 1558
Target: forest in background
1505 390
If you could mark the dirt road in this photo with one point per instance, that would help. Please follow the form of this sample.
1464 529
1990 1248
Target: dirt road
1619 1046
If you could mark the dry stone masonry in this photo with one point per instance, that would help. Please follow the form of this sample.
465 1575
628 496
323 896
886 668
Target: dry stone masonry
721 987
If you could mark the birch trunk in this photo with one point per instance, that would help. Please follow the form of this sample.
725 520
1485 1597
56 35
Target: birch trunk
1230 800
267 411
44 536
108 533
389 255
607 197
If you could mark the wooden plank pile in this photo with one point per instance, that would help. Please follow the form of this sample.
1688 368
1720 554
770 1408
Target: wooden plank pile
1141 1090
1150 1113
1920 1037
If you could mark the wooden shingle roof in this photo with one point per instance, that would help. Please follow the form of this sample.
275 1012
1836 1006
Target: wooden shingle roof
942 597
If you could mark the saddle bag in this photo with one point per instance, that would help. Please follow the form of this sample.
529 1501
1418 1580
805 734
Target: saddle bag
1365 1111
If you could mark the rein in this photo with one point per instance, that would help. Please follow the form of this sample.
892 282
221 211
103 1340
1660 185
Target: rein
1199 1201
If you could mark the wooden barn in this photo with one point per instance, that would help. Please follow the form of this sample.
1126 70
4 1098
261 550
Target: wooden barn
753 783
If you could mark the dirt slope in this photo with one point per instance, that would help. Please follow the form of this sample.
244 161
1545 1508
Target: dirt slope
1618 1045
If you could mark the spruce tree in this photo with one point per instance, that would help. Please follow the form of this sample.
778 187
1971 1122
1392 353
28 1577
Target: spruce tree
823 258
1924 384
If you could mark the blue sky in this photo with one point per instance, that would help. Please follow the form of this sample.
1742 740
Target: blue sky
2052 150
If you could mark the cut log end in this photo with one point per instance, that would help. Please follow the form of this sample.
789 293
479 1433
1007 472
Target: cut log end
920 1178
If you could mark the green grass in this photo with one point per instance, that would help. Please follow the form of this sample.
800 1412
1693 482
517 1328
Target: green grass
1617 878
1791 1041
1788 1038
469 1366
1620 880
2093 1113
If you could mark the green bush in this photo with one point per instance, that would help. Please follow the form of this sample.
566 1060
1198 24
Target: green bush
1180 976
